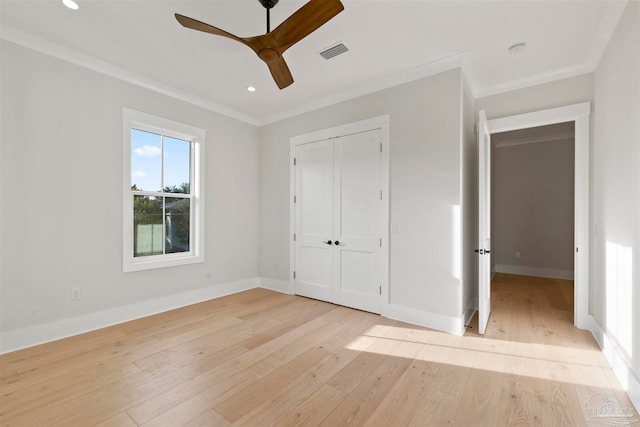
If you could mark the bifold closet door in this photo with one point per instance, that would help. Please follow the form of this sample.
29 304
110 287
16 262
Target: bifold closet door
337 214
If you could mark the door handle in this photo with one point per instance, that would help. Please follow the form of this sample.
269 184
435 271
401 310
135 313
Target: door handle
328 242
337 243
482 251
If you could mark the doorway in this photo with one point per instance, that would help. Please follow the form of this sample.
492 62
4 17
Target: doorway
532 201
578 114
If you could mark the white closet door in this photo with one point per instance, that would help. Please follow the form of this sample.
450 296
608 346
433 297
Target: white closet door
357 203
314 220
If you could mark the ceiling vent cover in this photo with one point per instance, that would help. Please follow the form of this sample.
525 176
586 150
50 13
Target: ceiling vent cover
333 51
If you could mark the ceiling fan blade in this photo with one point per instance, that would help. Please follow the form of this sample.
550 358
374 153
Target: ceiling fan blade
280 72
304 21
194 24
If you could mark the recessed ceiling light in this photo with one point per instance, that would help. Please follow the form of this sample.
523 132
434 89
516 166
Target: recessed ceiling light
251 89
70 4
517 48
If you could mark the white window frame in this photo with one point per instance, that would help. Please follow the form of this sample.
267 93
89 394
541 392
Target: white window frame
132 119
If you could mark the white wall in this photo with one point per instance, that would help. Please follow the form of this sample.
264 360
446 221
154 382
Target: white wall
532 210
61 172
425 187
615 290
558 93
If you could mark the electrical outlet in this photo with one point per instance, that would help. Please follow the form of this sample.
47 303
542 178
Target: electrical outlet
517 254
75 294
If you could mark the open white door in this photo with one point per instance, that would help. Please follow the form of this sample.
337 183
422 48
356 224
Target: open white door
484 222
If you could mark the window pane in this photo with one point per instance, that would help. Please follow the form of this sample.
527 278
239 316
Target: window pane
177 165
177 217
147 225
146 161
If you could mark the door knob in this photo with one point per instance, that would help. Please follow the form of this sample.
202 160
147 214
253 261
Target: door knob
328 242
337 242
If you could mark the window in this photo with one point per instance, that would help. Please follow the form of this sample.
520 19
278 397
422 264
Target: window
163 206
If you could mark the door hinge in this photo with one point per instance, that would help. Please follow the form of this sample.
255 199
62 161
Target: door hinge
380 242
294 274
380 290
294 199
576 249
380 194
381 147
294 161
294 237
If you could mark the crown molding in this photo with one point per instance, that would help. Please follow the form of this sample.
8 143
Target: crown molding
539 79
83 60
420 72
606 27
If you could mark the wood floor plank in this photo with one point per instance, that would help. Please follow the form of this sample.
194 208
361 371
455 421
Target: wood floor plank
209 419
120 420
406 397
199 403
242 402
358 405
313 409
284 400
263 358
213 379
62 388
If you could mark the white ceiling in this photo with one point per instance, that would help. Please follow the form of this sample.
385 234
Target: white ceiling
389 42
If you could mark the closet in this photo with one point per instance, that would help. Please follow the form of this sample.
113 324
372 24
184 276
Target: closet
339 219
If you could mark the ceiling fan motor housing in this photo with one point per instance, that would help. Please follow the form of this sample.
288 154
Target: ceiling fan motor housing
268 4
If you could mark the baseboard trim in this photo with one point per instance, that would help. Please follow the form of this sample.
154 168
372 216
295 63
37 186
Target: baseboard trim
523 270
470 311
276 285
427 319
614 355
39 334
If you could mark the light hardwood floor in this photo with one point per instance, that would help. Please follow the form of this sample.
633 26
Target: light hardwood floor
261 358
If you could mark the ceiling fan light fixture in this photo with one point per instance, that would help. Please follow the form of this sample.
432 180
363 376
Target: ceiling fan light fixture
71 4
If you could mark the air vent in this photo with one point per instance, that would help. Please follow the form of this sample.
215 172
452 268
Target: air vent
333 51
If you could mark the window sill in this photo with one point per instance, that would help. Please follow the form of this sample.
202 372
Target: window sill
150 263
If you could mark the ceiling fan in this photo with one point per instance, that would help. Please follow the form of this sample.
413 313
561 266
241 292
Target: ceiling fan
270 46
